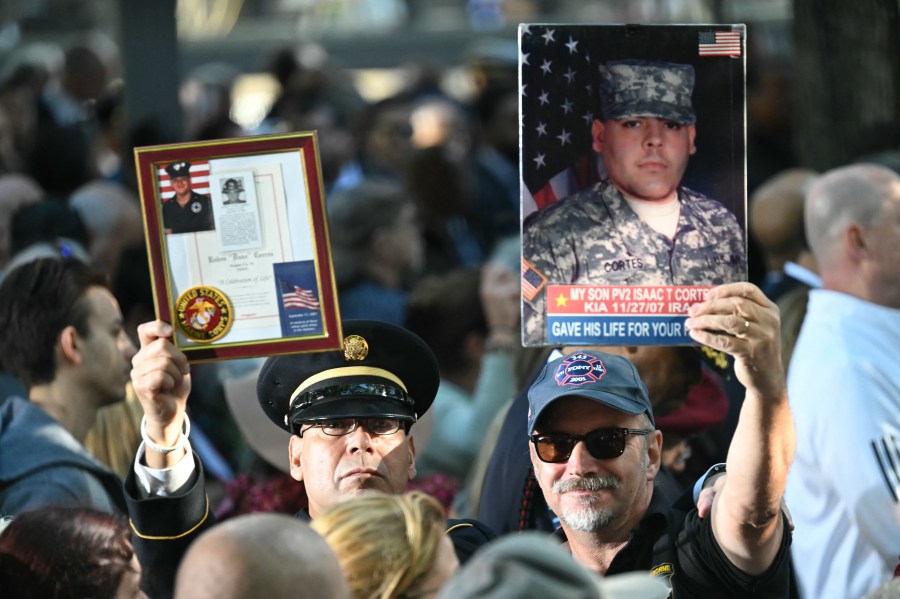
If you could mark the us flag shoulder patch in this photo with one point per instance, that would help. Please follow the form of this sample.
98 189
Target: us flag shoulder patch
532 280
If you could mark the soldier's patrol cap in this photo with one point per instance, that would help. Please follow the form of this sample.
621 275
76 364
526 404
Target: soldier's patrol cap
382 371
630 88
608 379
179 169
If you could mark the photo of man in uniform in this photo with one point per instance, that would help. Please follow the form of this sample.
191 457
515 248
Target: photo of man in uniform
639 225
187 211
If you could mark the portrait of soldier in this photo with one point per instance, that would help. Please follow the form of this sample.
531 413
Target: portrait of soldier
639 225
187 211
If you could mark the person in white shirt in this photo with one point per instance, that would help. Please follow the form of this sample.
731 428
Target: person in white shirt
844 387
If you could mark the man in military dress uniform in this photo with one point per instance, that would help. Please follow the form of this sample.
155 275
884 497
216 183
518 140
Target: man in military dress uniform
639 226
187 211
350 412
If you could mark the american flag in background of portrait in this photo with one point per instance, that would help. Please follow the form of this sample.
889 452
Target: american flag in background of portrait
558 104
199 179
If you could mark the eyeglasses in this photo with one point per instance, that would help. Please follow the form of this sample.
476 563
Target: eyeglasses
339 427
602 444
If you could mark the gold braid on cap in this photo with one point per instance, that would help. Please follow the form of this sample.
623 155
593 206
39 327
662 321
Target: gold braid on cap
346 371
356 349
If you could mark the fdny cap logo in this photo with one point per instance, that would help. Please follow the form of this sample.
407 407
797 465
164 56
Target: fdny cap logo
579 369
203 313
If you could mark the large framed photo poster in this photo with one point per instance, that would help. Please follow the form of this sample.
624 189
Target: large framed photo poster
633 164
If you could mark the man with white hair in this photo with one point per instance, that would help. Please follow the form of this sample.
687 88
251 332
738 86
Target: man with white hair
844 387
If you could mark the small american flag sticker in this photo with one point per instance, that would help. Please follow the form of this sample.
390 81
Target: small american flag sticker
720 43
297 297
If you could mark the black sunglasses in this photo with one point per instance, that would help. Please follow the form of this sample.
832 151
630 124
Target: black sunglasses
602 443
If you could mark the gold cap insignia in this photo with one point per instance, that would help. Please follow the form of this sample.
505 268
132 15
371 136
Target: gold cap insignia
355 348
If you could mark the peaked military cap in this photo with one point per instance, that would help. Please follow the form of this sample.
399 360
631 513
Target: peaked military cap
631 88
382 371
179 169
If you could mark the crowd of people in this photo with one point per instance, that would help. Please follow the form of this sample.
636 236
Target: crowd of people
760 462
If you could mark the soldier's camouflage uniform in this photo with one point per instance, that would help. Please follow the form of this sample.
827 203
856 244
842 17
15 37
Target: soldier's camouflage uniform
594 237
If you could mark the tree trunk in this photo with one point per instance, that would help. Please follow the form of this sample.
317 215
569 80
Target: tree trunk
848 79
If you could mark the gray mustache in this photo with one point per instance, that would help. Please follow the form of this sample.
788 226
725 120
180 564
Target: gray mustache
587 483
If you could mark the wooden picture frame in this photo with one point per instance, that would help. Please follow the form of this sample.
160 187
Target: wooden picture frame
238 245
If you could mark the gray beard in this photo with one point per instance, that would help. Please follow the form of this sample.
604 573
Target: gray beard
589 516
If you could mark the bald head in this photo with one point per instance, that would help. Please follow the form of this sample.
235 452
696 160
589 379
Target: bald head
852 223
269 556
776 216
852 194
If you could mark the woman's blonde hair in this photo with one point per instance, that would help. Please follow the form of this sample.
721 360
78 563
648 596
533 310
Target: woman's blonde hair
386 544
116 434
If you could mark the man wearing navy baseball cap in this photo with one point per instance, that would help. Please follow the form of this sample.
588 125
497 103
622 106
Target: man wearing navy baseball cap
596 452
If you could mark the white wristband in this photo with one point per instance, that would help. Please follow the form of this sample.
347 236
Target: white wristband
159 448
